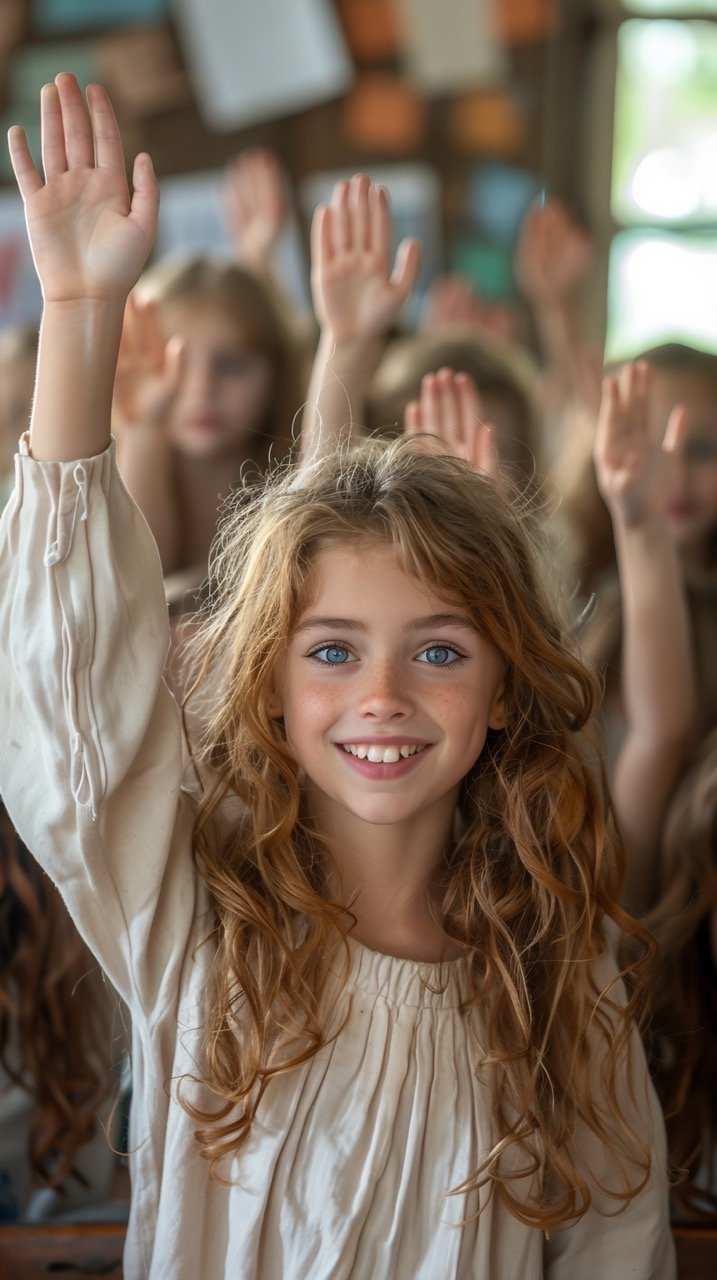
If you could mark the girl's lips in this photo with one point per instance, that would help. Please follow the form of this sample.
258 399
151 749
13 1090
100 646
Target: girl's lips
383 772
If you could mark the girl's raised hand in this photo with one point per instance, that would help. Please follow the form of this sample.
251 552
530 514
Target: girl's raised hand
450 409
149 367
89 237
631 466
553 256
256 205
356 294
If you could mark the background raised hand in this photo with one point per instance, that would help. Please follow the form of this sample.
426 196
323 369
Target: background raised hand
256 206
450 408
149 367
356 294
89 236
631 466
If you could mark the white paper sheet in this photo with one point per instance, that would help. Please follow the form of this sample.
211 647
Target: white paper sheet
254 60
451 45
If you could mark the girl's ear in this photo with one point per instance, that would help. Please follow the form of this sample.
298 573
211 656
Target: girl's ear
497 714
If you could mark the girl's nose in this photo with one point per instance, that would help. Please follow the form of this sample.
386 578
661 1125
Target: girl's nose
385 695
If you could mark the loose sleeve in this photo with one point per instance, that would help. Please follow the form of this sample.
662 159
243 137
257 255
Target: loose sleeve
91 750
632 1242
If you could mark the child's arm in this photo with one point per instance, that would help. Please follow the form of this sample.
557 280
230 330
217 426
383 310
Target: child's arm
553 258
148 374
91 756
658 681
357 299
89 240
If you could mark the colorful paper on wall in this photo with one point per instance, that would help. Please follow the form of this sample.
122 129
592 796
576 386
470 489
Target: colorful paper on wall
489 267
498 197
37 64
251 61
451 45
522 21
488 124
142 72
20 296
371 28
55 17
382 113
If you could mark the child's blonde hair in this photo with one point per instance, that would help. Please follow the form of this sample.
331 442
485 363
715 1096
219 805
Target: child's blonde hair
535 870
244 299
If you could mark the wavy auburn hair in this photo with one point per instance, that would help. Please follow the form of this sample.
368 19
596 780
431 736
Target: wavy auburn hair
533 875
684 1024
55 1033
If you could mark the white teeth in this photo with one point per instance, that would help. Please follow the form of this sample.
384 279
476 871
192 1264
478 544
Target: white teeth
376 754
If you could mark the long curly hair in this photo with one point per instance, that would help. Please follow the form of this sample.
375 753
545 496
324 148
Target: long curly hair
684 1023
535 872
55 1033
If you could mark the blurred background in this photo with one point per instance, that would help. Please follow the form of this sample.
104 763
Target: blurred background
468 110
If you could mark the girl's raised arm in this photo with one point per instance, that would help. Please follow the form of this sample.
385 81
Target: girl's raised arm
357 299
90 238
658 681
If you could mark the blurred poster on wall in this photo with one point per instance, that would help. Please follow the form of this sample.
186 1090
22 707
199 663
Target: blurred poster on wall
451 45
55 17
191 221
20 296
415 194
255 60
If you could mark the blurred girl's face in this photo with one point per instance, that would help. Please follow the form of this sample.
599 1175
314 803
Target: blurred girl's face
692 492
225 389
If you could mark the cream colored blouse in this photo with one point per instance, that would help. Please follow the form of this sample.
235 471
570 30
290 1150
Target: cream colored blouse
350 1160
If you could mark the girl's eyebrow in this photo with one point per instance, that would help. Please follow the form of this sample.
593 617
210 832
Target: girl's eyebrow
425 623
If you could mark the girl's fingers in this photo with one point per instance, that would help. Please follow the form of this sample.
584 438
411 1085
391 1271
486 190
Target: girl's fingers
380 227
79 145
322 240
54 158
144 207
341 221
359 212
470 408
485 451
107 140
450 424
677 427
26 175
412 418
406 268
431 405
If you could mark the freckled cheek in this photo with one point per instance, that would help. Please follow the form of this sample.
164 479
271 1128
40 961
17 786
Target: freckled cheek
311 711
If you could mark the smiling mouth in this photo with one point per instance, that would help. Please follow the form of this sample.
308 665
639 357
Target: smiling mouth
375 754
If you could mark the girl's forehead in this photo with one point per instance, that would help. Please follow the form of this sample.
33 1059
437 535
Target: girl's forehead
368 573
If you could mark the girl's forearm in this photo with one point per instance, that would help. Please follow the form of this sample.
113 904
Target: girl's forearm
658 671
77 356
337 392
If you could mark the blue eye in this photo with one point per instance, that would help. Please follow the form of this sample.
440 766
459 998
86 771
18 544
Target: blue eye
440 655
332 655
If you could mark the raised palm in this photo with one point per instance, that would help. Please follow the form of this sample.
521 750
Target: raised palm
90 238
356 294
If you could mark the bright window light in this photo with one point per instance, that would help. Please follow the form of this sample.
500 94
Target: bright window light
665 144
661 288
667 8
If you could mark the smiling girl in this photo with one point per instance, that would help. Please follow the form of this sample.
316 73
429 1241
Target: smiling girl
377 1028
